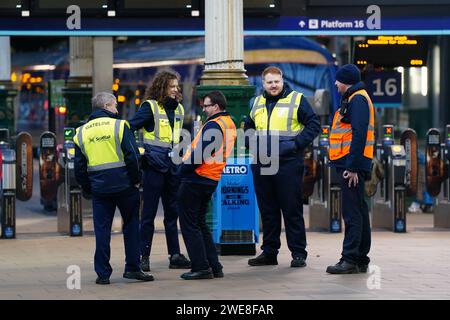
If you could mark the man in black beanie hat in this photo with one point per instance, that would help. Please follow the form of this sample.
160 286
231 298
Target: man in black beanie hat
352 140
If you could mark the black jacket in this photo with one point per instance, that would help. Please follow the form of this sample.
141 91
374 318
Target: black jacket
358 113
113 180
155 157
292 148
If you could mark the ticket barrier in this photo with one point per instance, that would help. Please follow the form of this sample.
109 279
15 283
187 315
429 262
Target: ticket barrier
69 196
436 173
8 192
16 177
325 204
388 203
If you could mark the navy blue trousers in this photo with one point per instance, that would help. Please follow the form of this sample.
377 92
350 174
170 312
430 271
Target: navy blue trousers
193 200
357 224
282 193
165 186
104 207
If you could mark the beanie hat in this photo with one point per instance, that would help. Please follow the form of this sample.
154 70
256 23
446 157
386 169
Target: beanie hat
348 74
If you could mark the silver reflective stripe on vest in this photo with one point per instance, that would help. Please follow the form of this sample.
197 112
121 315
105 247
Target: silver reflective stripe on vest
158 143
80 140
224 141
117 137
156 117
105 166
340 145
292 107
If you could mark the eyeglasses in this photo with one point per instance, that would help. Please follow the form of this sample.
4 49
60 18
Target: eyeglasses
208 105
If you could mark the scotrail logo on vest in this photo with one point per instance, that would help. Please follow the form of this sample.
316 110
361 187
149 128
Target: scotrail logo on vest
235 169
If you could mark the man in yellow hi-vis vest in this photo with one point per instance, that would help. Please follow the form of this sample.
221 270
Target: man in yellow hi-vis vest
284 116
106 166
352 140
161 118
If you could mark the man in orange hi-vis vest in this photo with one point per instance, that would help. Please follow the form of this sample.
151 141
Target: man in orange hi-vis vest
352 140
202 167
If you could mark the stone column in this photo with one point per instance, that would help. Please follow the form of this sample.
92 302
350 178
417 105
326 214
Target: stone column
78 91
224 43
224 57
7 92
224 71
103 64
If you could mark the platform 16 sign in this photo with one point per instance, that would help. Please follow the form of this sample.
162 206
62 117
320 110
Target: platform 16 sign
385 88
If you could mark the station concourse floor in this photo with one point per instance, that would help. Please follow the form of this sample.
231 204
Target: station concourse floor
413 265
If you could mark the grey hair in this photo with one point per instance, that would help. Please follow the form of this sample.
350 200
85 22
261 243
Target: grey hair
102 98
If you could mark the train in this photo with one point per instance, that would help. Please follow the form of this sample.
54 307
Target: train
306 66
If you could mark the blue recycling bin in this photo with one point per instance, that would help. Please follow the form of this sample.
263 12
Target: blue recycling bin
235 214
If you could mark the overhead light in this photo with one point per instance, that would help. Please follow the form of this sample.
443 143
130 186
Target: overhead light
43 67
195 13
272 5
18 6
188 6
104 6
25 13
111 13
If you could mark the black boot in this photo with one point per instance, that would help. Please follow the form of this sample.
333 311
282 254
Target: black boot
343 267
179 261
145 263
263 260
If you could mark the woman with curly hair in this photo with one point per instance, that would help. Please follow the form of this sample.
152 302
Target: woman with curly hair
160 117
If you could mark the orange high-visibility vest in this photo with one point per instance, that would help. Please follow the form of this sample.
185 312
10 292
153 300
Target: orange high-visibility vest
341 133
212 168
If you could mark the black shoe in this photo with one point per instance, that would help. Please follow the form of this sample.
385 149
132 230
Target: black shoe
138 275
263 260
179 261
102 280
363 268
145 263
196 275
343 267
218 273
298 262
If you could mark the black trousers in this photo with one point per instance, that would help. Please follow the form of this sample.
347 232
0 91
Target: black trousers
165 186
355 211
193 200
104 208
282 193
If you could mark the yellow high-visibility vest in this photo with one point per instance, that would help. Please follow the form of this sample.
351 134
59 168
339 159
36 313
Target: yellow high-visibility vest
100 141
163 135
283 118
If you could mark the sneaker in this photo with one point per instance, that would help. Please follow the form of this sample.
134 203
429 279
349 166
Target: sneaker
197 275
298 262
102 280
343 267
179 261
145 263
263 260
138 275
